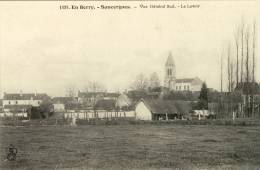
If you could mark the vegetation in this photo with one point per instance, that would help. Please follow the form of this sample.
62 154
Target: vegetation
241 68
132 147
43 111
203 98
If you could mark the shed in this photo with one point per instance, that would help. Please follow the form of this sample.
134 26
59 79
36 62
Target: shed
158 109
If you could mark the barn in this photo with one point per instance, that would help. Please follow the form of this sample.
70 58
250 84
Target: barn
159 109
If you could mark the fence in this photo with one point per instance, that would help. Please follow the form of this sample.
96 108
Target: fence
102 114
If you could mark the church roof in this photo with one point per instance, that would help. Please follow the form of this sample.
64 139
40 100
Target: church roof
194 80
184 80
170 60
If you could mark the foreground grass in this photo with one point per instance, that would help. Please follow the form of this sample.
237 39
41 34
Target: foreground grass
132 147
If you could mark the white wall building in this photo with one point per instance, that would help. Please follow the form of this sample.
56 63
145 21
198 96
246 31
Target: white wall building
59 107
188 84
22 101
142 112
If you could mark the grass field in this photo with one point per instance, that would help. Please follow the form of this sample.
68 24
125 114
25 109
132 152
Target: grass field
132 147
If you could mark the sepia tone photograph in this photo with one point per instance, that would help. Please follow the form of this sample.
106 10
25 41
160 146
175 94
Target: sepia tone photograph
120 85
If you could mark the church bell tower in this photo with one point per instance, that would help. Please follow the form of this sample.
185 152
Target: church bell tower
170 73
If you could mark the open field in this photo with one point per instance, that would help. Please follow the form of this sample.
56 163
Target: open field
146 146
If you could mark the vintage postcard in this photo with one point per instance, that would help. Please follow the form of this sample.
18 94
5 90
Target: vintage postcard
140 85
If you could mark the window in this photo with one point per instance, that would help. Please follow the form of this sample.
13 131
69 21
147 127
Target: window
39 102
184 87
169 72
9 102
188 87
16 102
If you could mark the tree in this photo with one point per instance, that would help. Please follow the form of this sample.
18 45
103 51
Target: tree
140 83
221 84
247 36
42 112
230 69
203 97
70 90
237 60
253 69
242 51
154 81
93 86
221 72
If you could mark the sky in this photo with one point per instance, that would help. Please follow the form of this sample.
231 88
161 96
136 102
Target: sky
45 49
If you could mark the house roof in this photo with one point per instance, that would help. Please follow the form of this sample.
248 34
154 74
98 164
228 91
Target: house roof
25 96
123 100
88 94
159 106
92 94
249 87
105 104
114 95
73 106
63 100
136 94
184 80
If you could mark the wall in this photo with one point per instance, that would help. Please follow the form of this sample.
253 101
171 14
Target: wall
22 102
142 112
22 114
182 86
58 107
99 114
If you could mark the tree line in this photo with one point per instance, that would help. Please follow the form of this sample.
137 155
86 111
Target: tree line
240 56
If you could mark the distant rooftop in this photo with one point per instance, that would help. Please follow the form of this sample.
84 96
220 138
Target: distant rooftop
92 94
25 96
188 80
184 80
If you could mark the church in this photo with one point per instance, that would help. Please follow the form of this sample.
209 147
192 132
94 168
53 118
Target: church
181 84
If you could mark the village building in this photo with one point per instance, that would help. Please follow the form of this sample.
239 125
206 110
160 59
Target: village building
181 84
188 84
61 104
158 109
22 102
58 107
88 99
123 102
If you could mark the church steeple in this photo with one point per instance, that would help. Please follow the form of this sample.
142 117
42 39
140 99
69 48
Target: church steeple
170 61
170 77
